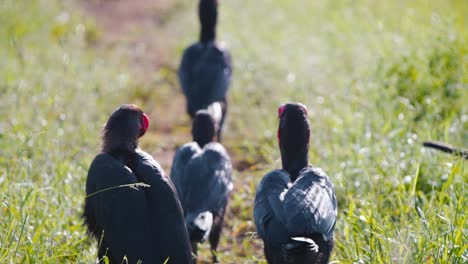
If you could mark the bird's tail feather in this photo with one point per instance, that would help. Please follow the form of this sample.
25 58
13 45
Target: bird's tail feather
307 250
199 225
216 111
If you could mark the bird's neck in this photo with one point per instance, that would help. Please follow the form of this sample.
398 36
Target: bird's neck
294 161
208 34
208 16
121 150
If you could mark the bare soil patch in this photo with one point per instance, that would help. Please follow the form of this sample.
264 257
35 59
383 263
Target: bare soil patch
134 28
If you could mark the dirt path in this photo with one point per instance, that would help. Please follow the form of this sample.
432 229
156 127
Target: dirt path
133 27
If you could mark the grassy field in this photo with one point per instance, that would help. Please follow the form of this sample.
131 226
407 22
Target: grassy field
378 78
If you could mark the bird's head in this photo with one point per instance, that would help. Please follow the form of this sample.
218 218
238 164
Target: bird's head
294 126
208 15
123 128
203 128
293 131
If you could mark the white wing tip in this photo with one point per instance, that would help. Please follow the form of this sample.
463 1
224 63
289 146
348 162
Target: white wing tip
314 245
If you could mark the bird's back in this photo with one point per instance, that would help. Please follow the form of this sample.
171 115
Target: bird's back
204 74
109 211
311 204
296 219
203 181
135 210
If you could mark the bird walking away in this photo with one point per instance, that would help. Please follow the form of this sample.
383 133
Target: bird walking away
205 70
201 172
295 208
131 207
446 148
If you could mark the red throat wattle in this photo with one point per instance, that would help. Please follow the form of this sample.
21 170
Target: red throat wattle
280 113
144 124
281 110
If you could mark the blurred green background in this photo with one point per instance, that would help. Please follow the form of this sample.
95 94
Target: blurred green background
378 77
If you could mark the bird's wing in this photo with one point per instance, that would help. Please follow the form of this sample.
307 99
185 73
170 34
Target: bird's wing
227 67
208 180
311 205
120 211
268 209
219 67
167 218
182 157
216 111
186 68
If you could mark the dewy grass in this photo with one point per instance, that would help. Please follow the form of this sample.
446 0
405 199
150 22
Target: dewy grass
55 95
378 78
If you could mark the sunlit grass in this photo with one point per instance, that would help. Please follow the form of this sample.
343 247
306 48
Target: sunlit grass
378 79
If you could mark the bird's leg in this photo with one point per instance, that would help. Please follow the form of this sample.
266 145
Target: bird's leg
214 238
194 251
216 233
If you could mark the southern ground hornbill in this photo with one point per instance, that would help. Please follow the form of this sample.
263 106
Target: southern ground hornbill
295 208
140 223
201 172
205 70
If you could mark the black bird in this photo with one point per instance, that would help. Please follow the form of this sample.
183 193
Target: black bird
201 172
446 148
205 70
140 223
295 207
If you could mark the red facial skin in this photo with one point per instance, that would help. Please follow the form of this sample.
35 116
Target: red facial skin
280 113
281 110
144 124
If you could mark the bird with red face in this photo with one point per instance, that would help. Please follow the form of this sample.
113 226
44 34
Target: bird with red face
131 207
295 207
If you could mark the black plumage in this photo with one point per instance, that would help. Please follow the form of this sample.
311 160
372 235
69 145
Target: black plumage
201 172
295 208
143 222
205 70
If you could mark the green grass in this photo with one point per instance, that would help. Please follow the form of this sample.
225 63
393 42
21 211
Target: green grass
378 79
